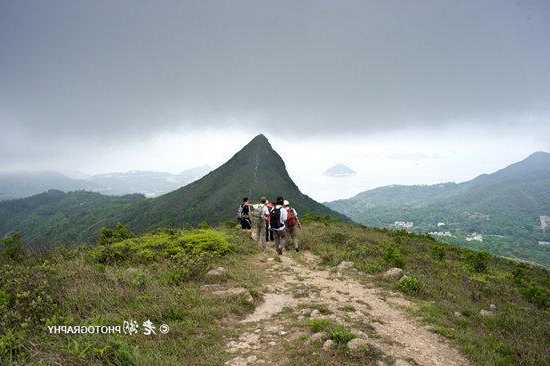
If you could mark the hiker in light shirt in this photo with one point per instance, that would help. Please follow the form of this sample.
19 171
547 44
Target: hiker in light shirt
261 221
277 221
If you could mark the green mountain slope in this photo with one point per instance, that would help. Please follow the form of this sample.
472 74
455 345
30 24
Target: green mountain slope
59 217
505 207
256 170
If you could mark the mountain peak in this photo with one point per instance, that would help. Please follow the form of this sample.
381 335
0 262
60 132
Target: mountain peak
259 139
539 155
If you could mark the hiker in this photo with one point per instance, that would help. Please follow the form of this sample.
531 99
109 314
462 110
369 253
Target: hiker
277 221
292 225
260 215
244 214
268 233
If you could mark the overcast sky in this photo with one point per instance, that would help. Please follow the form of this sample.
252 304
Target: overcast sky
402 91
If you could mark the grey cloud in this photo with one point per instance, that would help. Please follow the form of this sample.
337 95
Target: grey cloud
106 71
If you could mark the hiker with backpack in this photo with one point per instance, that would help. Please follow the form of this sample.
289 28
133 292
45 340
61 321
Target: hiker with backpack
243 214
268 233
277 219
260 215
292 224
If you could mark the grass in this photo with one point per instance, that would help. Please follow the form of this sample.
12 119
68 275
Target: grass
444 280
158 276
84 286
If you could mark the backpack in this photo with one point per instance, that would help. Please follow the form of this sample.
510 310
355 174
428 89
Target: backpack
291 219
240 212
257 211
275 218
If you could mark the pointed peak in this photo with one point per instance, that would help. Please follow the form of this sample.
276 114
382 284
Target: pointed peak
260 139
258 143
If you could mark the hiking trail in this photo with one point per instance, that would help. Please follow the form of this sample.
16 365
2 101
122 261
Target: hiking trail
299 289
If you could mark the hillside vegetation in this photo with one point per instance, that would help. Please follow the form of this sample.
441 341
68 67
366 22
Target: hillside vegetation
158 276
504 207
256 170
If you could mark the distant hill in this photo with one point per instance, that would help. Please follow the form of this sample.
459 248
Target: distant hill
504 207
57 217
23 184
149 183
256 170
339 170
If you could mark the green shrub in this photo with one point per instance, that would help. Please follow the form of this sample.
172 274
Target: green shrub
206 240
340 334
111 352
197 244
29 293
438 252
536 295
319 325
409 285
4 300
326 220
12 247
112 235
478 261
116 352
204 225
392 256
11 346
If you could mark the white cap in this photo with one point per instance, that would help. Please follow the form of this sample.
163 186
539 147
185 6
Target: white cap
285 203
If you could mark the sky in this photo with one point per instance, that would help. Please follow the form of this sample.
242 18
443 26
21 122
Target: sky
403 92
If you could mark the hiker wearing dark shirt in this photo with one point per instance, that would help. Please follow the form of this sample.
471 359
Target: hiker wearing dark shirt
268 233
277 221
244 211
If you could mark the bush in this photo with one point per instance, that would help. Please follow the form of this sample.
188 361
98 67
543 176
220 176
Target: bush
478 261
340 334
326 220
11 345
438 252
409 285
198 244
12 247
112 235
392 256
536 295
319 325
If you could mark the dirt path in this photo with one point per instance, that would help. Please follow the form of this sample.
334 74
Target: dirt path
300 289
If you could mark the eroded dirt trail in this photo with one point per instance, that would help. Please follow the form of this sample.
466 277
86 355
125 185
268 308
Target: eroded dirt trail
299 289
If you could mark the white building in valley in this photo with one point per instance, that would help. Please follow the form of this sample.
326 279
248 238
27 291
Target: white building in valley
441 234
403 225
544 222
474 237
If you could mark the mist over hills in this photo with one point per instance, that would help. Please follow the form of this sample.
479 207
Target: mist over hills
147 182
24 184
58 217
505 207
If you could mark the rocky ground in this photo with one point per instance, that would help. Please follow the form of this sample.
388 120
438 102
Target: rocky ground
298 289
